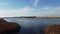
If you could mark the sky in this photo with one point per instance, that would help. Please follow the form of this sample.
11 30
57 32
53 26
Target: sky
11 8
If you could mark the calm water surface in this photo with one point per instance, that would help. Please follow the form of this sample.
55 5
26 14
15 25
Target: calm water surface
33 25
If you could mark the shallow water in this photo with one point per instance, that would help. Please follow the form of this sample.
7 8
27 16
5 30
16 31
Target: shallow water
33 25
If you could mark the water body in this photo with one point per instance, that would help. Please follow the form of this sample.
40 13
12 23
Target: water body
33 25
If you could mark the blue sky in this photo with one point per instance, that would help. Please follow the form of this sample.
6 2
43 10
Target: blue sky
12 8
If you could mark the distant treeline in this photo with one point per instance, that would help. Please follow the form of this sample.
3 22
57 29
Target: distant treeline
27 17
37 17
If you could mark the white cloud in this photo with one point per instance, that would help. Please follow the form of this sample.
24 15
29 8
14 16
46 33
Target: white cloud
35 2
31 11
15 12
50 12
47 8
2 4
26 9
